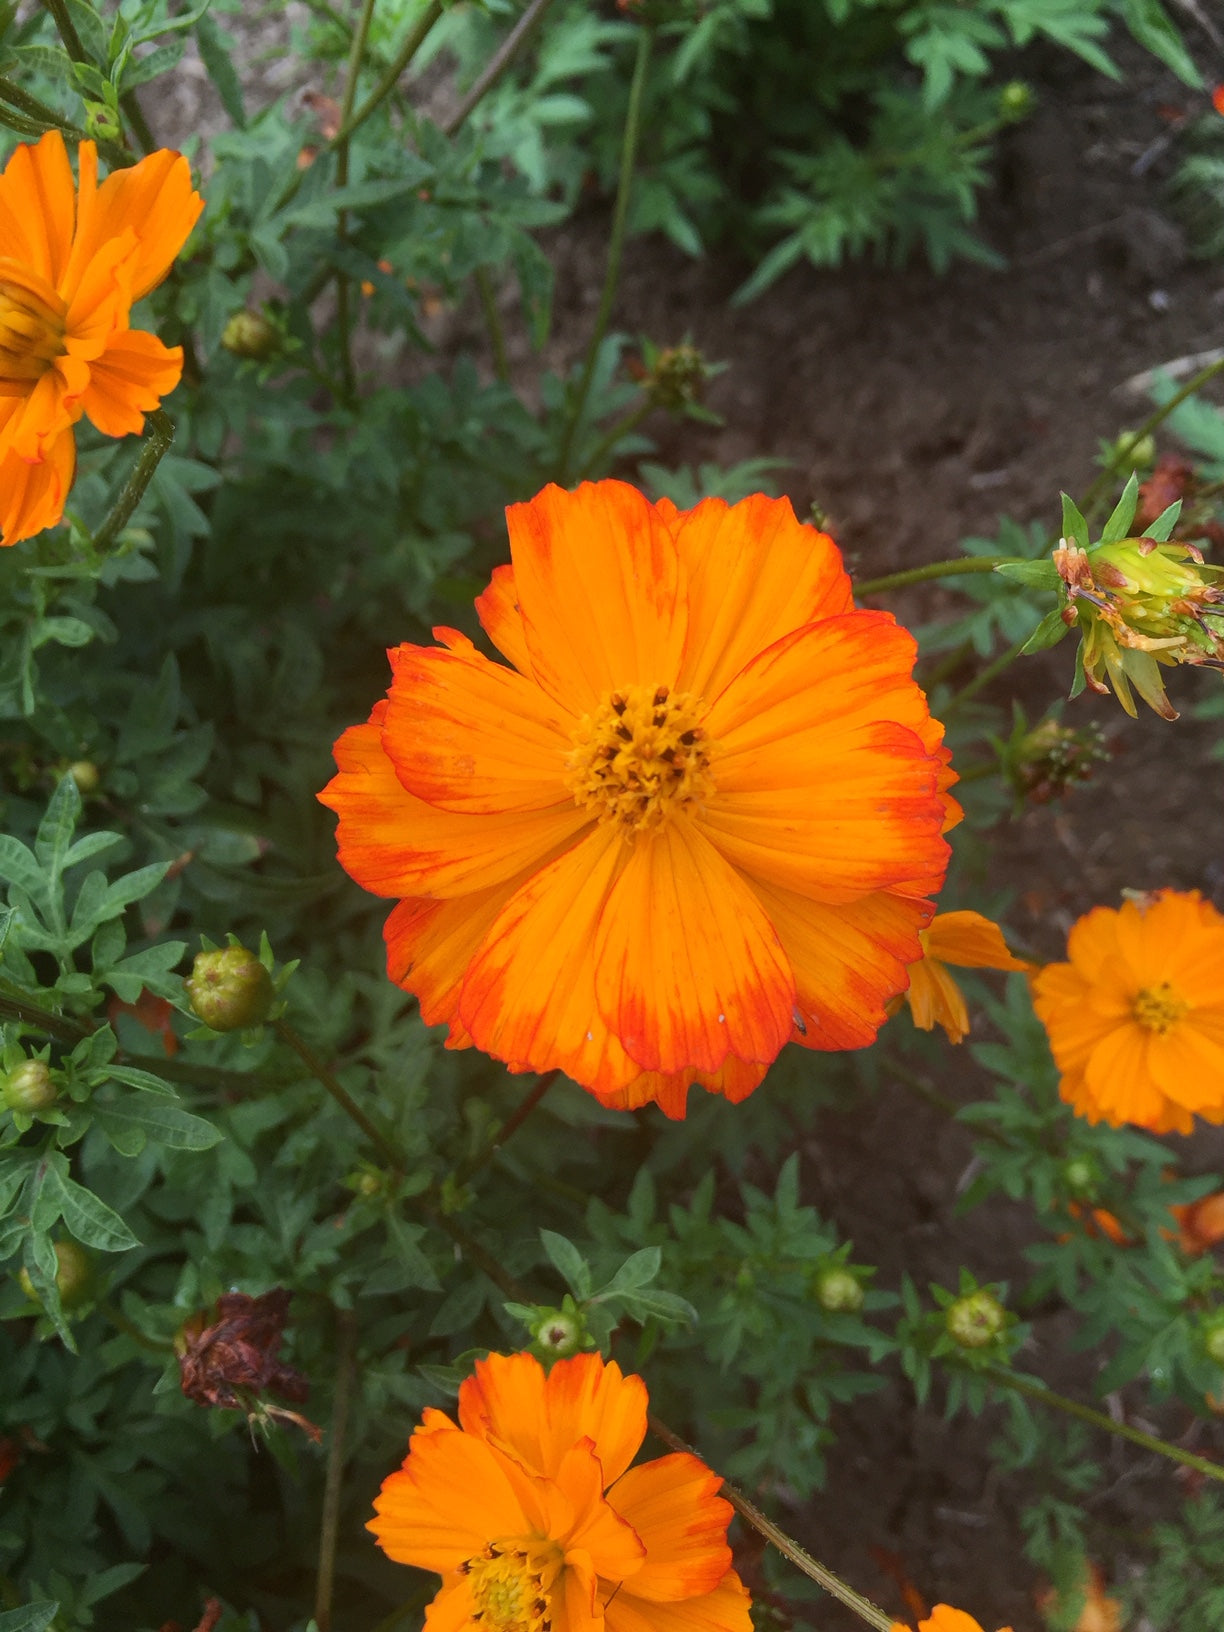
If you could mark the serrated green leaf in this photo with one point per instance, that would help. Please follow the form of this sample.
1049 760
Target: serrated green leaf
140 70
87 1216
164 1124
569 1263
219 63
638 1270
29 1618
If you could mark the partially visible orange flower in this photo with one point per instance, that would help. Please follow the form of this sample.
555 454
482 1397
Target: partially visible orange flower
154 1013
1217 99
1136 1017
1100 1221
529 1511
968 941
1099 1613
73 260
946 1619
1200 1224
699 814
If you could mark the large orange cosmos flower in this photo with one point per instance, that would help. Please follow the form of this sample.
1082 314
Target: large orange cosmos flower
699 814
1136 1018
529 1511
72 262
946 1619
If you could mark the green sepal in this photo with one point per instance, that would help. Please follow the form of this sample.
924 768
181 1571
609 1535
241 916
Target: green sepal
1119 524
1074 527
1048 632
1164 523
1035 574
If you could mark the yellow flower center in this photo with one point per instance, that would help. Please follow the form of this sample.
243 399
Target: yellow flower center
31 327
642 755
511 1582
1157 1008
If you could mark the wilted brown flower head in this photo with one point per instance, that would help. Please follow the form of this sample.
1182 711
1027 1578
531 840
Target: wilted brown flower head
235 1359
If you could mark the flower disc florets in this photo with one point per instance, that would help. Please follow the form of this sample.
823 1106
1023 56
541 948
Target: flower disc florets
641 756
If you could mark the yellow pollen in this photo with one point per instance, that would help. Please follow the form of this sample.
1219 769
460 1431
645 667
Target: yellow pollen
1158 1008
31 332
642 755
511 1582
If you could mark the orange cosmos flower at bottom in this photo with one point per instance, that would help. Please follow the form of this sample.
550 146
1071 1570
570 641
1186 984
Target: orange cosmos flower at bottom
1136 1017
74 258
944 1618
969 941
529 1511
698 813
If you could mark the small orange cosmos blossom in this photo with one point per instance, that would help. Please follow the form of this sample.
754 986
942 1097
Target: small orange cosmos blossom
946 1619
532 1516
72 262
967 940
700 814
1136 1017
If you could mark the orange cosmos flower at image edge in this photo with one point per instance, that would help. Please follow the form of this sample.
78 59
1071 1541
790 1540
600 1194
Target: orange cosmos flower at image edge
944 1618
73 260
698 813
530 1512
1136 1016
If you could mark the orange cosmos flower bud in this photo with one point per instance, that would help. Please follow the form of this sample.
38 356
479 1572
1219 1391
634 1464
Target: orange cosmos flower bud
74 259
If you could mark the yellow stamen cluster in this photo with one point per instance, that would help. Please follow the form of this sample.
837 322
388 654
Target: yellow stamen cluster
1158 1008
510 1584
641 756
31 330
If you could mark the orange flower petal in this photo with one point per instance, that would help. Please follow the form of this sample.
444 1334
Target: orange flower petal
735 1079
393 843
600 591
822 783
431 943
755 573
539 1415
129 380
1187 1066
688 968
935 999
529 995
673 1505
425 1511
38 206
32 496
848 961
726 1609
465 734
500 618
970 941
452 1609
154 201
598 1531
1119 1076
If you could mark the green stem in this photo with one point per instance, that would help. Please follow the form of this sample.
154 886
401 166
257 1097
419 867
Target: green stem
508 1129
59 1026
35 110
343 332
616 244
1108 476
498 63
329 1528
991 672
324 1075
1034 1390
159 432
493 322
391 76
20 125
786 1545
955 568
623 427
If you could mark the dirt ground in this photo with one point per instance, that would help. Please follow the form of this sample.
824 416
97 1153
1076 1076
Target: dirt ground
915 409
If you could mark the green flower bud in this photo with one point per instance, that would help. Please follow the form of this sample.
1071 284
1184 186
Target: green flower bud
975 1320
838 1290
1213 1337
1081 1177
230 989
558 1334
29 1087
86 775
1016 100
250 334
1131 452
72 1277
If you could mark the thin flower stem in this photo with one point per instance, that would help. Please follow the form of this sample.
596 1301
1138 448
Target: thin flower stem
328 1079
1092 498
616 245
413 42
343 331
623 427
955 568
159 431
1034 1390
36 111
62 1027
498 63
789 1548
329 1528
508 1129
991 672
493 322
